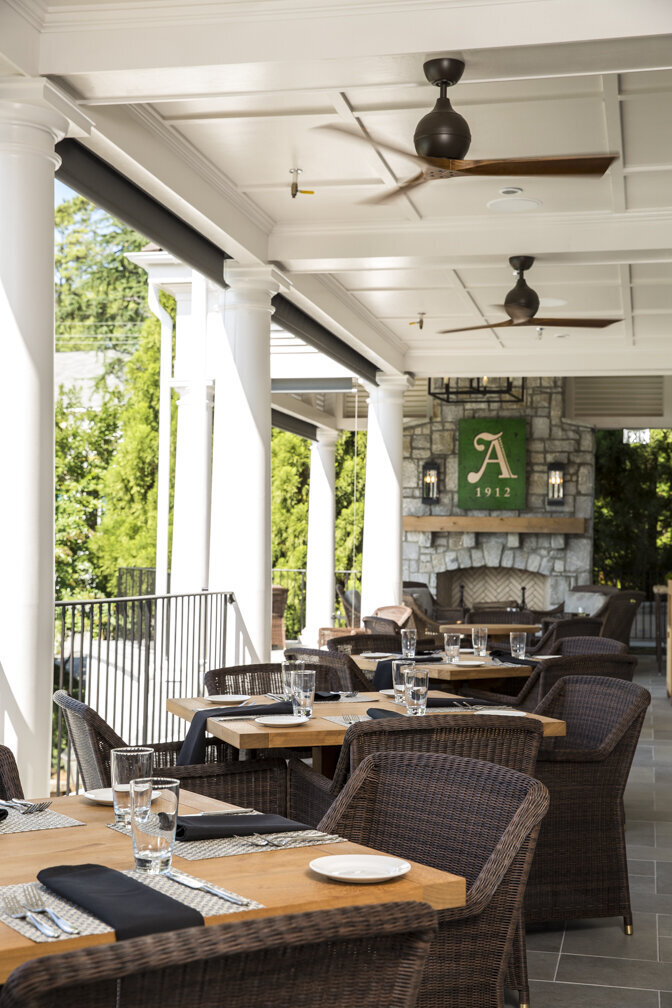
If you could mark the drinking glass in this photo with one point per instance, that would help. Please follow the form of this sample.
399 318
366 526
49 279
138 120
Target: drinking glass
153 822
417 685
127 764
479 639
451 645
408 640
399 680
303 692
288 670
518 643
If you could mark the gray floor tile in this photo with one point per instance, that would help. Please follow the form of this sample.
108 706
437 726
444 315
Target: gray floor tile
605 970
541 939
665 999
666 949
542 965
665 926
640 867
643 832
664 877
663 834
569 995
606 937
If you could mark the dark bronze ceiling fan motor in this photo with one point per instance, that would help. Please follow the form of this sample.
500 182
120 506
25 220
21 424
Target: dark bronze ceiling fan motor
443 132
521 301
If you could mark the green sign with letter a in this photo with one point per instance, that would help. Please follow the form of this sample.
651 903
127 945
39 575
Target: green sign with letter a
491 464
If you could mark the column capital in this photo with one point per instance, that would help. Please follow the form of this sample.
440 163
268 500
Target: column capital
37 103
327 437
252 286
389 387
193 390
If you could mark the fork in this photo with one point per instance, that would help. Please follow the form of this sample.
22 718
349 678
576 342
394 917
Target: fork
33 900
267 840
14 909
25 807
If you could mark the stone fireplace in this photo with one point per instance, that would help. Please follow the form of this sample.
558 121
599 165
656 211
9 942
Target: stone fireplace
546 550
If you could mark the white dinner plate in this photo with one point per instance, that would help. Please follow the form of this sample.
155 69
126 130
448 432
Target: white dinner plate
387 692
471 664
502 713
282 720
360 867
228 698
378 654
103 796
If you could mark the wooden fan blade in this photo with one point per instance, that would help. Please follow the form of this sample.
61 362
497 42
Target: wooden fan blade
586 323
561 164
390 194
517 314
473 328
371 140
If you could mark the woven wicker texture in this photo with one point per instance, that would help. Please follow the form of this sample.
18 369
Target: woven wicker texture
547 673
257 783
590 645
580 867
461 815
10 784
618 614
353 957
346 675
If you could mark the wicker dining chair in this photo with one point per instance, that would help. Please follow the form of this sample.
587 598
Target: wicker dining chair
10 782
500 616
580 868
353 957
461 815
342 671
591 645
261 678
259 783
550 670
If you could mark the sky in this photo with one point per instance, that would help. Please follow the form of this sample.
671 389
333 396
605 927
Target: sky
62 193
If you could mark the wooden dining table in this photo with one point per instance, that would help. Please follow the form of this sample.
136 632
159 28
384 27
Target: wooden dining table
494 629
324 737
280 879
460 671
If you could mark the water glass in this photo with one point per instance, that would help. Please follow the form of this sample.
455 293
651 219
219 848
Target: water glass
399 679
153 822
303 692
451 645
518 643
126 765
417 686
288 670
479 639
408 641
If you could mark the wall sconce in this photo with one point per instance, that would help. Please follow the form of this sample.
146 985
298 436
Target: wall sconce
556 484
430 482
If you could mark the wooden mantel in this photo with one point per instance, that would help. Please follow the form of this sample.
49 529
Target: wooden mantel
463 523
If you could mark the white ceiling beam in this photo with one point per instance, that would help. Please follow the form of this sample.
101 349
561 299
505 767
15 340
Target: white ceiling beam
304 411
542 359
625 279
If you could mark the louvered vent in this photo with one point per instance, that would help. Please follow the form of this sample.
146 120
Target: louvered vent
416 402
624 397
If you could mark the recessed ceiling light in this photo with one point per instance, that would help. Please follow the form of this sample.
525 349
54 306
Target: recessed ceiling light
513 204
510 190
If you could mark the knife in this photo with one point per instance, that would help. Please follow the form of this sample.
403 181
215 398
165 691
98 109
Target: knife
192 883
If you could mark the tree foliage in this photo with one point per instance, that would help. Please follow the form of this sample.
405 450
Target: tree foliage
633 510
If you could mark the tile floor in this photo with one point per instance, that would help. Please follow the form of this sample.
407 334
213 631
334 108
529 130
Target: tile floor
592 963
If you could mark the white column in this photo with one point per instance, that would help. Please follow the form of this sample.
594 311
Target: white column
321 519
240 541
381 559
28 133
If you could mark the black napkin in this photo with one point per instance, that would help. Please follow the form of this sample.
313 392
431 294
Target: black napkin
326 695
507 657
3 814
218 825
193 747
131 908
382 677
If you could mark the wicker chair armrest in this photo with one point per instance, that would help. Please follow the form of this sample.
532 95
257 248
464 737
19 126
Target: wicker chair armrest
309 794
216 751
526 821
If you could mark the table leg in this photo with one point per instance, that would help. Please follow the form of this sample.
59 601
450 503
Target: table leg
325 759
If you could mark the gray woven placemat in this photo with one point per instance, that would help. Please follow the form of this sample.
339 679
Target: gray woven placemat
17 822
347 719
205 903
199 850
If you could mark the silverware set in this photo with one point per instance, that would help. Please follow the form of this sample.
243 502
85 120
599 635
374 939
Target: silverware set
32 904
23 806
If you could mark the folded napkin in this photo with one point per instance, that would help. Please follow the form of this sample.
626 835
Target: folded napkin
228 824
193 747
507 657
326 695
131 908
3 814
382 677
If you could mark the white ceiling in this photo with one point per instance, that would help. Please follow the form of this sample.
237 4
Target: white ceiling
209 104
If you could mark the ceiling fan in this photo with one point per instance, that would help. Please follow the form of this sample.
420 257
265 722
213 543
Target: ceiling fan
521 304
442 140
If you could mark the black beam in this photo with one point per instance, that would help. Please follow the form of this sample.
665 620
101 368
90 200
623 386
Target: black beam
292 424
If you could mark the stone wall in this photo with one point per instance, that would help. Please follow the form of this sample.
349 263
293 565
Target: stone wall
565 560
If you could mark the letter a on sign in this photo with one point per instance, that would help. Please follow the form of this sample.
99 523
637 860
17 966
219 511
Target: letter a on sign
491 464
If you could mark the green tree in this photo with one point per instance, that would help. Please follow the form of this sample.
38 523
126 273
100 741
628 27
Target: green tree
633 510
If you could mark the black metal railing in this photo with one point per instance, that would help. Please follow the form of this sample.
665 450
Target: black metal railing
125 656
